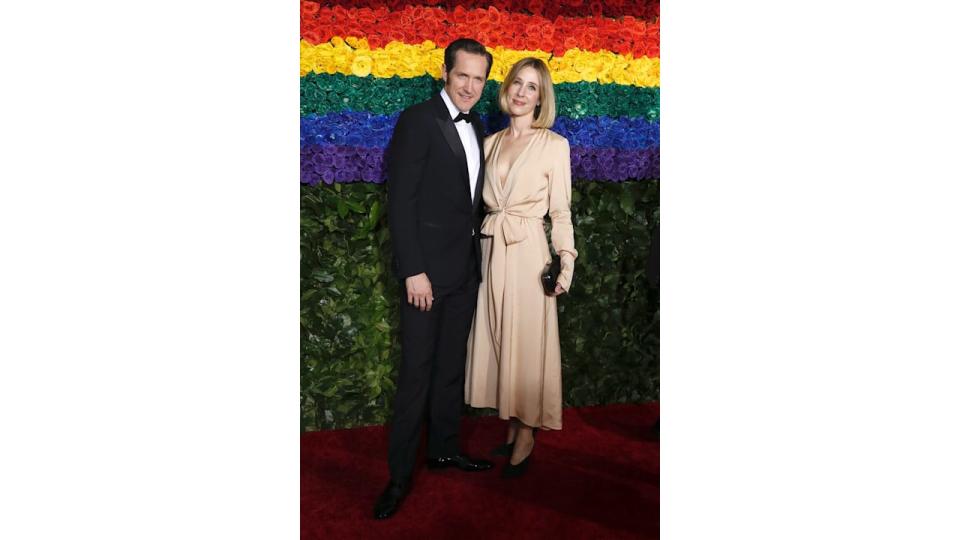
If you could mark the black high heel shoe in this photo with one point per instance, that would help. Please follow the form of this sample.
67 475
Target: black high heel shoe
506 449
515 471
503 450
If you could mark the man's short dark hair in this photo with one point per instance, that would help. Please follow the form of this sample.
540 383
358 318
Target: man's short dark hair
468 45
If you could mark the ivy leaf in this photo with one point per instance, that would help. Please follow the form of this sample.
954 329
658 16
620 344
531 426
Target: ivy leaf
375 213
355 206
626 202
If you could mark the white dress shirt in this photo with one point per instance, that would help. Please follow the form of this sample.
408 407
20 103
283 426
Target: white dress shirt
469 139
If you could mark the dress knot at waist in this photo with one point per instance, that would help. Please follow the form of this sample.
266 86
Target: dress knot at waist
511 222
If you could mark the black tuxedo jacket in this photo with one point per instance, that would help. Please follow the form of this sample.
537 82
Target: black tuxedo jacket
434 224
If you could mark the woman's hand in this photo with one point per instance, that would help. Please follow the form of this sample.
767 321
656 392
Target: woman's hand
558 290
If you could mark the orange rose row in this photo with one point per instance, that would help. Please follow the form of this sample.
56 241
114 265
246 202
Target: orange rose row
416 24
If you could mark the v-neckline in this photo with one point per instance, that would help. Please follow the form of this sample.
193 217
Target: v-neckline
506 183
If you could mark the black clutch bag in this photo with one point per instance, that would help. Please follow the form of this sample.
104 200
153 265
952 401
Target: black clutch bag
548 278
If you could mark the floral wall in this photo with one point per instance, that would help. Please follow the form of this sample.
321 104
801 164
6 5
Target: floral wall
361 63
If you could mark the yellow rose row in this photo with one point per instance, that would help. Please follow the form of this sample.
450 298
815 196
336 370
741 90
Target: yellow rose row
353 56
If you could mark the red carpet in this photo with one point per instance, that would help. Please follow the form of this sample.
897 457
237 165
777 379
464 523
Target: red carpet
597 478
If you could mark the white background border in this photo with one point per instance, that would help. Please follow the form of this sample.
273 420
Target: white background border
149 295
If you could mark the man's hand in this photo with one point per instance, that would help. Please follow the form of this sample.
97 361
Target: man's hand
419 291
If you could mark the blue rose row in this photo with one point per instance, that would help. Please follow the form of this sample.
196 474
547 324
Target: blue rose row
372 130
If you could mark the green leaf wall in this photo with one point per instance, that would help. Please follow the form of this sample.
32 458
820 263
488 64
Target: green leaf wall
349 342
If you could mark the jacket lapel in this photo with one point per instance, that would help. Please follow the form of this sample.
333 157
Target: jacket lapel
453 139
478 192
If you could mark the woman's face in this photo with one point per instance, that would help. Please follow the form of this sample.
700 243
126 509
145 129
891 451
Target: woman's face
524 92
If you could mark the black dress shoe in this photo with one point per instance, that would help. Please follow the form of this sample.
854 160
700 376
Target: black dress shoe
461 462
390 499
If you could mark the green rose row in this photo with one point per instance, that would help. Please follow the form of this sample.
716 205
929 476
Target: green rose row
322 94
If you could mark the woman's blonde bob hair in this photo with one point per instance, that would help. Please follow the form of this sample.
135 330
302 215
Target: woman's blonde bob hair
546 113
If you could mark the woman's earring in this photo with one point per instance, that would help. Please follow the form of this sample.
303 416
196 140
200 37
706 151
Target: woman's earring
536 111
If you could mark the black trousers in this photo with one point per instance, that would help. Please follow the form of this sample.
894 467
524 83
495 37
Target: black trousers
433 358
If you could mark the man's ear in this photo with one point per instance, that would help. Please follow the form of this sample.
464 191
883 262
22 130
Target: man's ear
443 73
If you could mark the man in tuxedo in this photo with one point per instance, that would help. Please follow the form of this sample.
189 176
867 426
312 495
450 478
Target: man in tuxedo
435 178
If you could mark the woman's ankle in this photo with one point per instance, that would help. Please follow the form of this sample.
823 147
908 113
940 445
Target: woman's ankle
512 429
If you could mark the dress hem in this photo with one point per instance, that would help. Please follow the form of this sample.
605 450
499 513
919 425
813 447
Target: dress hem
503 416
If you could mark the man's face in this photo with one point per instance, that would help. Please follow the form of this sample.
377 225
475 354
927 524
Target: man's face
464 83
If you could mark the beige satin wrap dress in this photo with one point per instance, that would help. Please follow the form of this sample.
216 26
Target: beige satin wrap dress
513 352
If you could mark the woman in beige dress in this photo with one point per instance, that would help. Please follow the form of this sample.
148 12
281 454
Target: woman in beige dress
513 353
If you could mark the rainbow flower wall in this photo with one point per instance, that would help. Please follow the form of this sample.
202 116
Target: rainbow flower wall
361 63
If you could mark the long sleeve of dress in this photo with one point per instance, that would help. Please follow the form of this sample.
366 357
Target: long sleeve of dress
561 235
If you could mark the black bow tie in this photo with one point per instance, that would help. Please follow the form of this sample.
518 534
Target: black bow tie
465 117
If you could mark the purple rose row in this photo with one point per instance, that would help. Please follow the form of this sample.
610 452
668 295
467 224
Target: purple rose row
328 164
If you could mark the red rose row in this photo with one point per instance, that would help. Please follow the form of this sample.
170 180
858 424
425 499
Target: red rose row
647 10
492 27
